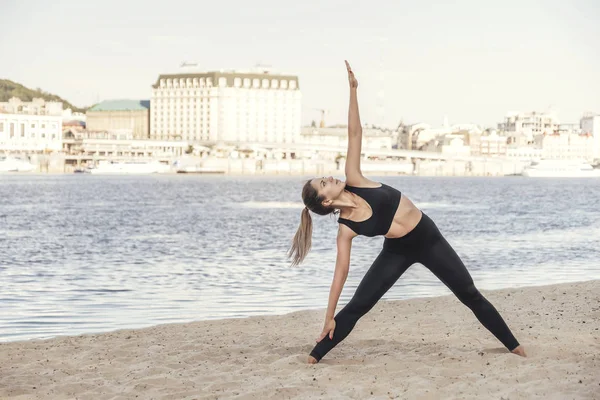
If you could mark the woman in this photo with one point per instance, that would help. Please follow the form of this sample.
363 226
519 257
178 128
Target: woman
371 208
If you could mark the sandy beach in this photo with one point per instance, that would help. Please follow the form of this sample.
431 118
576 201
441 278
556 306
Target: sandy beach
429 348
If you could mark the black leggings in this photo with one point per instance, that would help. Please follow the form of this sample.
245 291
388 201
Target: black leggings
426 245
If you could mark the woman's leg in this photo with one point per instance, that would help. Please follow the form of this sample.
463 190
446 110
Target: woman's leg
441 259
384 272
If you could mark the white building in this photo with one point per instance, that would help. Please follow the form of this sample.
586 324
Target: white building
530 124
525 153
493 144
124 149
416 136
37 106
203 107
455 145
338 137
30 133
69 115
568 146
590 124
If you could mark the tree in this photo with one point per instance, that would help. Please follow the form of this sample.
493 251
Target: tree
9 89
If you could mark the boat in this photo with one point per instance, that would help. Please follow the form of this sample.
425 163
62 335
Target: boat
560 169
186 166
129 167
14 164
199 170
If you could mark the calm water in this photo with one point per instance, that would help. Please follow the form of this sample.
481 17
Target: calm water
81 254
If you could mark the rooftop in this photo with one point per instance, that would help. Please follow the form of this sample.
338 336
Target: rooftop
229 74
121 105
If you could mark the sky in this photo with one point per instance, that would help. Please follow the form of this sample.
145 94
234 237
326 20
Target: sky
472 61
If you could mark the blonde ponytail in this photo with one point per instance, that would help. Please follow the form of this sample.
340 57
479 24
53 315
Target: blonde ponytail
302 240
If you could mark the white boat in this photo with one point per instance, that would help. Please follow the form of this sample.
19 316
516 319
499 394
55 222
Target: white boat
13 164
561 169
129 167
199 170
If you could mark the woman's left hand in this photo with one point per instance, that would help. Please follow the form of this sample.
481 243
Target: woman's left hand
328 329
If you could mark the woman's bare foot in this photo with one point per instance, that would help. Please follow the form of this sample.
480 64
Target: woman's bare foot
312 360
520 351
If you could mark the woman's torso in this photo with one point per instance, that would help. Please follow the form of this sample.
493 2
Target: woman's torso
405 217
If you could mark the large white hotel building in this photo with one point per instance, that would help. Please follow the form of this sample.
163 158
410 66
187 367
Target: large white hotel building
208 107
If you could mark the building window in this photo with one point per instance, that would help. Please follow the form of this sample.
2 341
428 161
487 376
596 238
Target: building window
22 130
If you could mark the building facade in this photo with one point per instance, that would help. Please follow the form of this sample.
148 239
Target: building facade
30 133
590 124
492 144
338 137
129 116
37 106
210 107
30 127
530 123
568 146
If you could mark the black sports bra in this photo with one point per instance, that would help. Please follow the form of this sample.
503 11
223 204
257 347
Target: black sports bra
384 201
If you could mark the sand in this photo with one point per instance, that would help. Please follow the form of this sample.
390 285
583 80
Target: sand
429 348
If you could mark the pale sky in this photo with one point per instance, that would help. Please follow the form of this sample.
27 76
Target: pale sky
472 60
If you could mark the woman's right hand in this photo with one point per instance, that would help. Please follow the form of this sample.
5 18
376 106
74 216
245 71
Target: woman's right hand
351 78
328 329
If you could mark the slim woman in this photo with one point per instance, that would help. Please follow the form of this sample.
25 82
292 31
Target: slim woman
372 208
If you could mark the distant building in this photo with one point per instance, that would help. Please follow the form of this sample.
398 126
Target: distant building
421 135
590 124
525 153
454 144
410 137
338 137
132 116
30 127
567 146
37 106
492 144
530 123
203 107
70 116
102 147
30 133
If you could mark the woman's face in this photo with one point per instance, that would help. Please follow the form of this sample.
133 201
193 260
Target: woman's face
328 187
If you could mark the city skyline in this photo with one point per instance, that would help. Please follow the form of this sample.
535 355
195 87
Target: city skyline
419 62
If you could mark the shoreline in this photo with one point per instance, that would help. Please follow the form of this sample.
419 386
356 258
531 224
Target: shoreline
431 347
235 174
274 314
